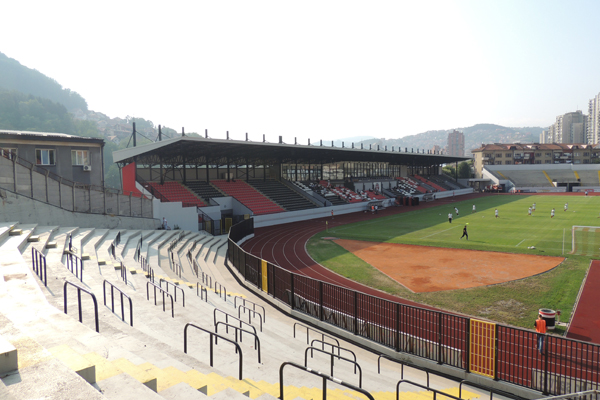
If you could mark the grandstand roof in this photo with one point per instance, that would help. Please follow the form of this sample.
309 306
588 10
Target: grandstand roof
220 151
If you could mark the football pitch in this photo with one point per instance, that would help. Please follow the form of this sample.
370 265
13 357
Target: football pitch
514 231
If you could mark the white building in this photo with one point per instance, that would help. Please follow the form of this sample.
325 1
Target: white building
593 121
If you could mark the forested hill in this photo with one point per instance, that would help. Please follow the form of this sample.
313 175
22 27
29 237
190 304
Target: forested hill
14 76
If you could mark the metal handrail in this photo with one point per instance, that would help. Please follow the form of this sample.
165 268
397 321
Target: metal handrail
238 349
200 290
112 301
174 290
402 363
177 268
38 261
227 321
333 346
323 336
79 290
123 273
206 279
250 312
356 365
222 289
325 379
76 266
237 328
163 293
435 391
254 305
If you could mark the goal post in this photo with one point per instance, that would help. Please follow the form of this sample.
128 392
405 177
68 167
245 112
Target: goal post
585 240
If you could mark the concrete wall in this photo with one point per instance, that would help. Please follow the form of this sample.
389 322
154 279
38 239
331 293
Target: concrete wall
15 207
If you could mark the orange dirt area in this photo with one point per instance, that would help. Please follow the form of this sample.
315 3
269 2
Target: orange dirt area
431 269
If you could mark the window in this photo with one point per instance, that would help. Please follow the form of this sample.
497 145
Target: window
507 162
498 154
547 162
538 161
498 162
44 157
586 161
548 154
79 157
576 154
8 153
586 154
538 154
509 155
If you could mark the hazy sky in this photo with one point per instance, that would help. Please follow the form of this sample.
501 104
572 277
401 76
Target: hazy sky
318 69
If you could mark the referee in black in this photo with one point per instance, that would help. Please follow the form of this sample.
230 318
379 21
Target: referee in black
465 233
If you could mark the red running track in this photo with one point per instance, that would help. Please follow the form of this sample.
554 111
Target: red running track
585 324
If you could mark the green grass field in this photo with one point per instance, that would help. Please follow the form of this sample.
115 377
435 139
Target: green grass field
514 231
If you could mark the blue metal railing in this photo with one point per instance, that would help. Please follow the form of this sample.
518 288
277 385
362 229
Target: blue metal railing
112 301
38 261
79 290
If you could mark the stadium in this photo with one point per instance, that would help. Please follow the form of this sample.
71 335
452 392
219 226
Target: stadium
222 265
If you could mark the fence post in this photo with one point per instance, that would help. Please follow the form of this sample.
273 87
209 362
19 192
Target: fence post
46 179
545 347
60 191
398 327
292 290
15 173
355 312
440 338
321 300
496 354
31 179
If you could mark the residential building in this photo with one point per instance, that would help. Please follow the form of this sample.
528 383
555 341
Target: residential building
533 153
77 159
456 144
593 121
569 128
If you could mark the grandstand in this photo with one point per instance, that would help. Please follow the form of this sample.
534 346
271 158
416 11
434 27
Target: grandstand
545 178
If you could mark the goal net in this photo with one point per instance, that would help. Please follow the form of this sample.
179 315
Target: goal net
586 240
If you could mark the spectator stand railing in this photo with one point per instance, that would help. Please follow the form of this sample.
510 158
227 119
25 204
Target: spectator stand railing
207 280
238 349
195 266
333 356
321 375
443 395
201 292
251 312
402 364
245 301
79 290
123 272
238 329
309 329
75 265
164 293
38 264
227 317
112 301
221 290
333 348
175 287
176 268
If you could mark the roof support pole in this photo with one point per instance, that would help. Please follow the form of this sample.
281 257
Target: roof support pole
247 171
162 175
159 133
134 135
228 169
207 175
184 171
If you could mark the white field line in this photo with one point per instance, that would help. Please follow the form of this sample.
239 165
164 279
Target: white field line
435 233
520 242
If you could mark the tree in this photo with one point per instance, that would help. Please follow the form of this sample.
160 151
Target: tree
464 170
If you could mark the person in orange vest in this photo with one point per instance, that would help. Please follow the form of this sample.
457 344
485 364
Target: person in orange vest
540 328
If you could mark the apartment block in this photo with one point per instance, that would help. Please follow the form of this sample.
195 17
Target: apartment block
456 144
